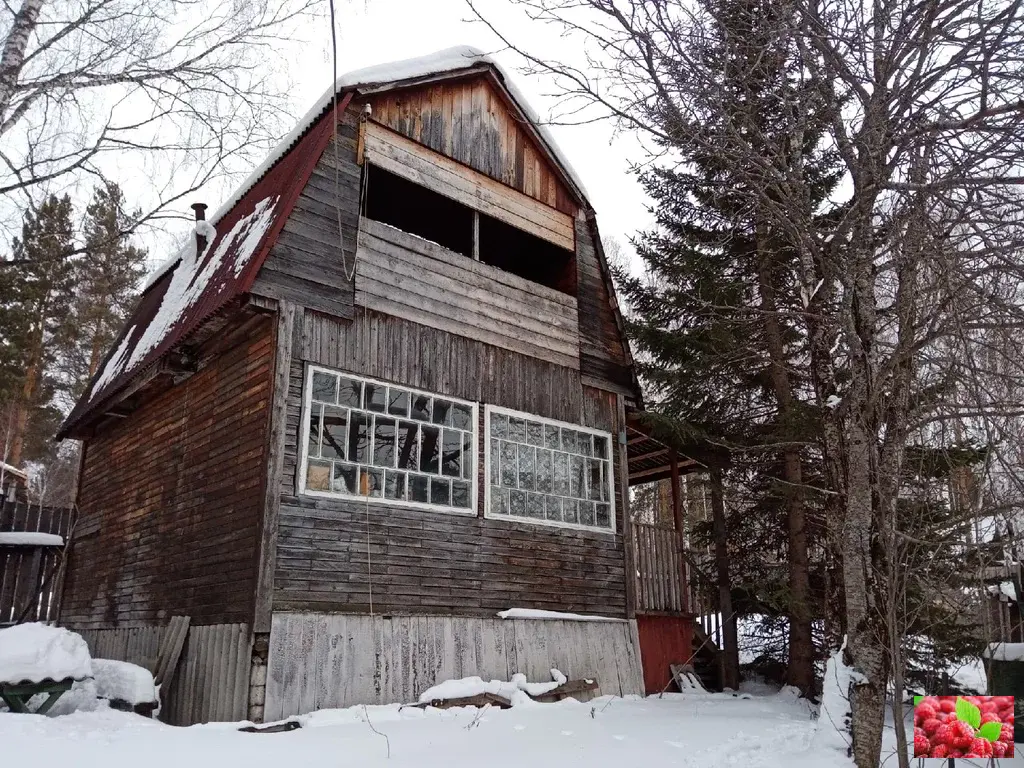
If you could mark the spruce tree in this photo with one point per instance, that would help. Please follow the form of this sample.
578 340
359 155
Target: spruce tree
36 289
715 317
107 280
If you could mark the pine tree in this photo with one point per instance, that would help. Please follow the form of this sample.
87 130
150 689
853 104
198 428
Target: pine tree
715 318
106 287
36 286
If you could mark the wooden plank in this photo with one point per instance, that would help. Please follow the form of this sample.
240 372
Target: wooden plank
286 324
461 287
414 162
549 299
166 661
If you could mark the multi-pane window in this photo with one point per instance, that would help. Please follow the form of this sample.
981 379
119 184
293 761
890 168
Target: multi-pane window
385 442
548 472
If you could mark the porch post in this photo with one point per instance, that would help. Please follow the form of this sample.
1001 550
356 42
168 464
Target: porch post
730 641
677 517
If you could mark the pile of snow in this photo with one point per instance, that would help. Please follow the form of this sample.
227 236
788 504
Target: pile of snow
1005 652
121 681
534 613
37 652
831 735
518 691
191 277
30 539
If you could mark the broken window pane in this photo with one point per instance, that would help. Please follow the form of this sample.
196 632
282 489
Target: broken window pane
325 387
577 478
384 442
430 449
350 393
344 480
332 446
442 411
418 488
375 397
398 402
421 407
451 453
359 438
601 446
597 486
467 455
408 445
394 485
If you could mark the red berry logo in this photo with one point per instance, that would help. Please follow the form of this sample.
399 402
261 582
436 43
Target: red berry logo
963 726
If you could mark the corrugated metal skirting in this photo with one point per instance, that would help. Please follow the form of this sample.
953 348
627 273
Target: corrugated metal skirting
212 678
319 660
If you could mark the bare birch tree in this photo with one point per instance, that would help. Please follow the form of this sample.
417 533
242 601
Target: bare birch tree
920 257
169 89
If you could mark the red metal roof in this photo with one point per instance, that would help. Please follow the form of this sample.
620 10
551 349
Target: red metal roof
232 277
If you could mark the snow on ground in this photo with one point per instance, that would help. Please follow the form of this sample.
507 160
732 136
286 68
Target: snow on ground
693 731
37 652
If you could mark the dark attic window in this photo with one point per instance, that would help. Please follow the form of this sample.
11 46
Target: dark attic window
419 211
513 250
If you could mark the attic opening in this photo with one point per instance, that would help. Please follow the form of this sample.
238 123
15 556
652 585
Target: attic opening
408 206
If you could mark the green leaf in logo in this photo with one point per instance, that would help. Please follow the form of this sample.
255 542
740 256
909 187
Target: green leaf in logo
968 713
989 731
918 700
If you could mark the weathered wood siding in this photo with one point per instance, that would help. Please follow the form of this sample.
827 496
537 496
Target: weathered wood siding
212 678
171 495
412 278
306 265
602 344
470 121
321 660
330 551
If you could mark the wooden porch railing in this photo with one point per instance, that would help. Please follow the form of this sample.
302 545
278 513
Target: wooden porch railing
668 580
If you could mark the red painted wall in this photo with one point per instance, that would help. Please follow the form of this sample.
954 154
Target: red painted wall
664 640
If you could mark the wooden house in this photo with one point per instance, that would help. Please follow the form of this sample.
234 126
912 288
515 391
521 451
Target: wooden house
384 397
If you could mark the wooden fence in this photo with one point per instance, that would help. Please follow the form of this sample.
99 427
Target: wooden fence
29 577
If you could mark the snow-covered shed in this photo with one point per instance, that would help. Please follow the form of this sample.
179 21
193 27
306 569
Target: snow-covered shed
382 397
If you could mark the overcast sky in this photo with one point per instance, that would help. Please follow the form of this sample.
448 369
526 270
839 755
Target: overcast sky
376 31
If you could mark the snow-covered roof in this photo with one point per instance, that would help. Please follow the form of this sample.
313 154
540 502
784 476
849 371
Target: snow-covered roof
439 62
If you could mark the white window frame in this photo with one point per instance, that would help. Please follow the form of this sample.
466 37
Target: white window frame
491 409
307 399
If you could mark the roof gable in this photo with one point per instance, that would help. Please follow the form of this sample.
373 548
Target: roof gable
473 120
